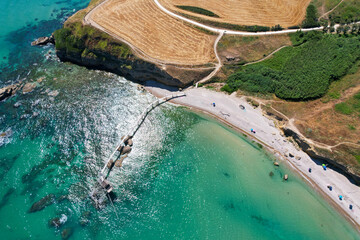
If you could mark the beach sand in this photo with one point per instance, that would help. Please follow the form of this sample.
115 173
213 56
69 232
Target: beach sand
227 110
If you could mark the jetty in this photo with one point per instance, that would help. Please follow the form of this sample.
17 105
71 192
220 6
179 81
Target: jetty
103 189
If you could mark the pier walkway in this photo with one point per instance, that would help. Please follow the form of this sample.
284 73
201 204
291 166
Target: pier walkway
102 183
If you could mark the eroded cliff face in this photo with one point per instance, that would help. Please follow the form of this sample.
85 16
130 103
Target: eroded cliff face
131 69
324 155
87 46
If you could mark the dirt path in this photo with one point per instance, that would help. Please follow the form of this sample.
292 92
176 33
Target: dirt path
186 48
218 66
268 56
292 126
231 32
328 12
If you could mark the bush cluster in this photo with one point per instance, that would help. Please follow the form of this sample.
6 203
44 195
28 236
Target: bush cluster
302 72
85 41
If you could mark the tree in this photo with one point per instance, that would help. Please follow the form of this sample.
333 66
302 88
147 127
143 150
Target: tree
311 19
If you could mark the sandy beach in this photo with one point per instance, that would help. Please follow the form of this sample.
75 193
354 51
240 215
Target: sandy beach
227 109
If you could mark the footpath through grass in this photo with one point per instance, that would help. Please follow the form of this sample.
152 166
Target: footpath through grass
301 72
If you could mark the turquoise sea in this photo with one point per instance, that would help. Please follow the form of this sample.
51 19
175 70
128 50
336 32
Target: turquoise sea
188 177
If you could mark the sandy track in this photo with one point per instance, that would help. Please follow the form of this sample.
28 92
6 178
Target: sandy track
153 32
247 12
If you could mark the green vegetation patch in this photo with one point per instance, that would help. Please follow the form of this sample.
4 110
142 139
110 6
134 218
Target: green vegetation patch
348 11
350 106
85 41
302 72
197 10
311 19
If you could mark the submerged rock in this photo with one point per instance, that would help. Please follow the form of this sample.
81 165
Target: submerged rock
42 203
28 87
276 164
6 197
271 174
40 79
66 233
55 222
85 218
17 104
286 177
62 198
53 93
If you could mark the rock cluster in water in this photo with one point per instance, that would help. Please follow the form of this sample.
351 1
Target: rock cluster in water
43 41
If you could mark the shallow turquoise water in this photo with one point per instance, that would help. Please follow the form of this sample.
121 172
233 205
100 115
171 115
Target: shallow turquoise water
187 177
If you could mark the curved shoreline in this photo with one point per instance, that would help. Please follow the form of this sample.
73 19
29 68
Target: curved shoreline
197 99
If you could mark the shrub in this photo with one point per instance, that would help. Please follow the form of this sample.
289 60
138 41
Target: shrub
227 88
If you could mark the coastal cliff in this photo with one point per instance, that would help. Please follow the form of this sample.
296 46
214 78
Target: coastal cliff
87 46
332 158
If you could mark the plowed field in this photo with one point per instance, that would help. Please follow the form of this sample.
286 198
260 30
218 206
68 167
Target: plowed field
154 33
247 12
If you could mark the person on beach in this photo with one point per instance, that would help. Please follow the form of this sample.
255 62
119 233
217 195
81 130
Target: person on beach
324 167
213 104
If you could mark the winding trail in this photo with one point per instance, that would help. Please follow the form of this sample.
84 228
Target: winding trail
231 32
292 126
218 66
268 56
330 11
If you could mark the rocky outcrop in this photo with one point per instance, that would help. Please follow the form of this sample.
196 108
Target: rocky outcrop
41 41
28 87
322 155
66 233
8 91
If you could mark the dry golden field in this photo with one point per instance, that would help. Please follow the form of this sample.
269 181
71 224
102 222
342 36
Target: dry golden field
247 12
154 33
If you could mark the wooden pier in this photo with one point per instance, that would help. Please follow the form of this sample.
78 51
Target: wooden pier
103 187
